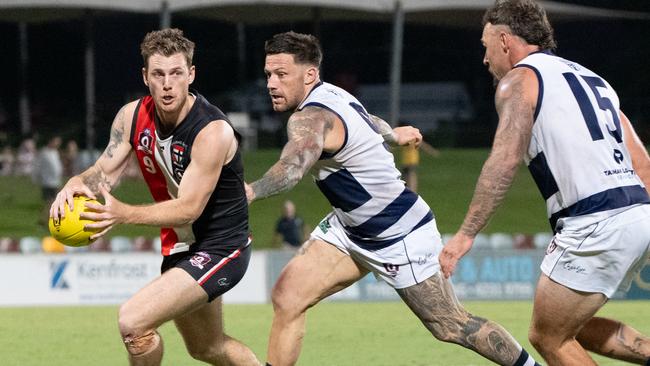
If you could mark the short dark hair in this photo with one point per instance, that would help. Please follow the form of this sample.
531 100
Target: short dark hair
525 18
305 48
166 42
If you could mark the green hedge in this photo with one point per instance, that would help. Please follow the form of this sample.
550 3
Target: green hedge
445 182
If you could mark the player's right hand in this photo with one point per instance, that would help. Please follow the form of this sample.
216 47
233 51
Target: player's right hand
74 187
405 135
453 251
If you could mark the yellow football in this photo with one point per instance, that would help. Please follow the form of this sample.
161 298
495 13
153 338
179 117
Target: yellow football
69 230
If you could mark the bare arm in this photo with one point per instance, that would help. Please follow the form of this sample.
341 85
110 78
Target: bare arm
397 136
638 152
306 130
510 143
107 170
515 102
209 153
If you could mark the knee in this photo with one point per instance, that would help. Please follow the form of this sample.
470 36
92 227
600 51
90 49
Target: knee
448 328
286 301
141 344
132 321
538 339
207 352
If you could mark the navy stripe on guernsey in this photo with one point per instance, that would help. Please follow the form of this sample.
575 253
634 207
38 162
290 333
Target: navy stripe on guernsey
343 191
325 155
384 220
543 176
540 92
370 244
607 200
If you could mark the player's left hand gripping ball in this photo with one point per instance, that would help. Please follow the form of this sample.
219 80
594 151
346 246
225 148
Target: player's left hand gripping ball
69 230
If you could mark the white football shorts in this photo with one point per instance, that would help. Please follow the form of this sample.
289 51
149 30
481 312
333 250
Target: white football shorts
402 264
600 257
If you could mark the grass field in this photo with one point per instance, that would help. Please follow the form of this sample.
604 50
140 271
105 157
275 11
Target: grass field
338 334
446 183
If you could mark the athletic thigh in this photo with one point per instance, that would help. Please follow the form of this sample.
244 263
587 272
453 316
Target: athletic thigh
317 271
202 326
172 294
560 312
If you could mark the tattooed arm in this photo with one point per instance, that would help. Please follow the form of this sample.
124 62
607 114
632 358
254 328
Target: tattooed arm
515 100
397 136
307 130
107 169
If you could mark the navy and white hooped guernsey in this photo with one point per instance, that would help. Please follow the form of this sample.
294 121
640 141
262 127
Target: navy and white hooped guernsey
360 180
577 155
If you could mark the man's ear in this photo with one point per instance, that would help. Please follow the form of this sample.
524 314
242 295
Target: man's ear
192 73
504 41
311 75
144 76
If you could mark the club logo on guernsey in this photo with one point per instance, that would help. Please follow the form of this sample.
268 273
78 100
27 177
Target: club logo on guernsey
200 259
178 158
392 269
145 140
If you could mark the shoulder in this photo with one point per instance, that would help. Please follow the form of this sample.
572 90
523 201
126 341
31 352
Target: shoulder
311 114
217 131
520 82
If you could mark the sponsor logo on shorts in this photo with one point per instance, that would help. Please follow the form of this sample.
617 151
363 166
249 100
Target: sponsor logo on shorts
223 282
423 260
392 269
571 267
200 259
324 226
551 247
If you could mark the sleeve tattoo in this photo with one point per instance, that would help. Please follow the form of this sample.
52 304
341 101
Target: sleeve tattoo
117 134
384 129
510 142
306 130
95 177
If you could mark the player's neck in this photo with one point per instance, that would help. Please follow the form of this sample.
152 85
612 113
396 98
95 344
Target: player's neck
170 120
308 89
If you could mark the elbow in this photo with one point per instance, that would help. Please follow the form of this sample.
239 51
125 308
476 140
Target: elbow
293 180
190 214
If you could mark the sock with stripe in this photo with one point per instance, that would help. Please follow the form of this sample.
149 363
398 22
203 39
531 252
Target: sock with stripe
525 359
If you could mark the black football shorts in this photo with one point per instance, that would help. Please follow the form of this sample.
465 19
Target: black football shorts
215 273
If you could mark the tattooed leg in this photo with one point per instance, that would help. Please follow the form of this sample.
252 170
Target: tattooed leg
434 302
616 340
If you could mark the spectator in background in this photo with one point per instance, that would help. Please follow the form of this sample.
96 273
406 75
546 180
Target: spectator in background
409 161
48 174
70 159
290 230
7 160
48 170
25 157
